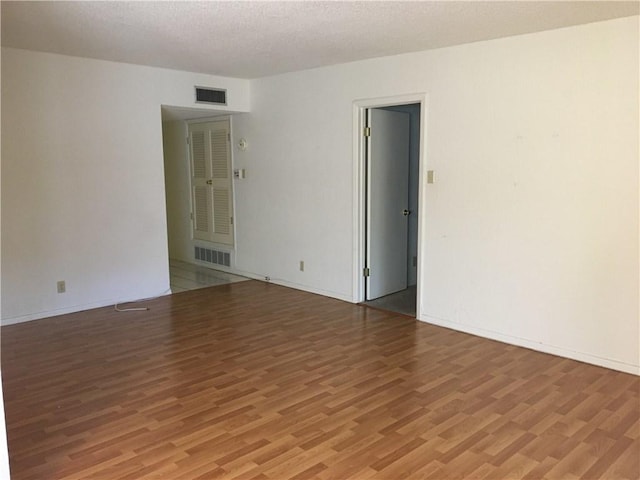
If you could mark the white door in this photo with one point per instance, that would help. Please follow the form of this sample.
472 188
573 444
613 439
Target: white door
211 181
387 202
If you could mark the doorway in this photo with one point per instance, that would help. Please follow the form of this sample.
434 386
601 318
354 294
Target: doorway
200 236
389 155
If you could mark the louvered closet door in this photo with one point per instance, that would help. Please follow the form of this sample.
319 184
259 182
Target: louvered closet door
211 182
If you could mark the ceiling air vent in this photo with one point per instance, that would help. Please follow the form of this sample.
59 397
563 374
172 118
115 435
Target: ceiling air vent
213 96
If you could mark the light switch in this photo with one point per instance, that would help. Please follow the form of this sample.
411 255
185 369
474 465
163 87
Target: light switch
430 176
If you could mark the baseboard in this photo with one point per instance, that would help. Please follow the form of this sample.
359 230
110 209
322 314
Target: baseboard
296 286
276 281
54 313
73 309
537 346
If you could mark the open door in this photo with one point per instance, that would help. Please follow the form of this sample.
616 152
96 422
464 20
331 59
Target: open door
387 168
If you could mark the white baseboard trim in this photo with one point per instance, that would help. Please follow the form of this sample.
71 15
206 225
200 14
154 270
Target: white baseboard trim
54 313
537 346
276 281
317 291
296 286
74 309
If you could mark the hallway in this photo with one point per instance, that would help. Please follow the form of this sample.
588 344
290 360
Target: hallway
187 276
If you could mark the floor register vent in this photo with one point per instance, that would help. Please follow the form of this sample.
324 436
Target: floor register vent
213 256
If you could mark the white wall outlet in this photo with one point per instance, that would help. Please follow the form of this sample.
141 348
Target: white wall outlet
61 286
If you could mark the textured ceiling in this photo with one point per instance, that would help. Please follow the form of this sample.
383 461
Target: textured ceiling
249 39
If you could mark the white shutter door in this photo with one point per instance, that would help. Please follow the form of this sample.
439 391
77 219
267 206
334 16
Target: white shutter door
222 183
201 192
211 182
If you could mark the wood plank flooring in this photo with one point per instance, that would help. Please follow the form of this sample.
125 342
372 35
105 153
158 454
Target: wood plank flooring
256 381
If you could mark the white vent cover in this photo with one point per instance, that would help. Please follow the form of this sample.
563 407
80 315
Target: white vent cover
213 256
215 96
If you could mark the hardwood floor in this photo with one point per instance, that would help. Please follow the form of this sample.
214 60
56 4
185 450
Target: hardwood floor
255 381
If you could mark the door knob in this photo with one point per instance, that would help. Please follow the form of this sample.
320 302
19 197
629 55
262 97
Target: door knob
406 212
209 182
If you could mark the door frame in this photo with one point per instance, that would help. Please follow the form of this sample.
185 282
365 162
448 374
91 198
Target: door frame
359 187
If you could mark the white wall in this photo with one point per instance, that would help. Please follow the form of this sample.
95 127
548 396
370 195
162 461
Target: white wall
83 196
177 182
531 231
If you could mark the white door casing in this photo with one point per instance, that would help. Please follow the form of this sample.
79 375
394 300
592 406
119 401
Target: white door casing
211 181
387 202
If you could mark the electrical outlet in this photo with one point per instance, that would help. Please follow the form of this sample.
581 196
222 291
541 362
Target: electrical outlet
61 286
302 265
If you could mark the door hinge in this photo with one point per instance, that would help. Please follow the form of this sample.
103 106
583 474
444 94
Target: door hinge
191 215
188 140
367 131
366 272
231 220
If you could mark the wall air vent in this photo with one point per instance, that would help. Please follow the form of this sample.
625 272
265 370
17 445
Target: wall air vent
214 96
213 256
